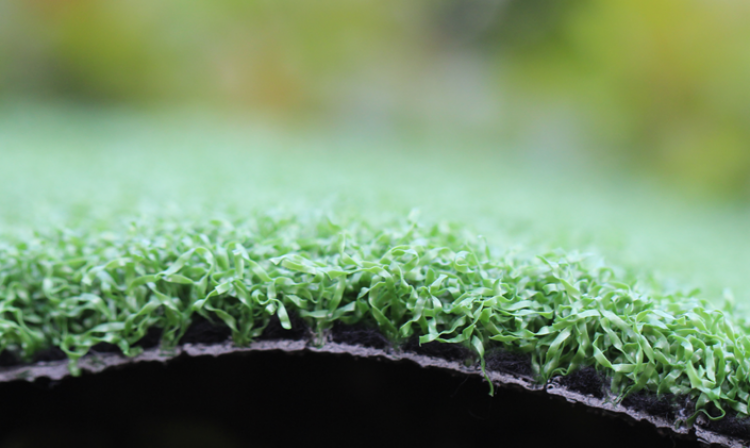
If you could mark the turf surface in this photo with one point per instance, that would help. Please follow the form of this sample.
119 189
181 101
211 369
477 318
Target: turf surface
76 289
102 239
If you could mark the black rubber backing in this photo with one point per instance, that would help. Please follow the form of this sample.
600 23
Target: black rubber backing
661 406
586 381
508 362
275 399
358 335
274 330
542 411
731 425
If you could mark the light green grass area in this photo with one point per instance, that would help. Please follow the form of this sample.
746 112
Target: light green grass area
112 223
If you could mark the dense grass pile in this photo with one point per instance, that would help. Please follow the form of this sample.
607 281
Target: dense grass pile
75 288
64 165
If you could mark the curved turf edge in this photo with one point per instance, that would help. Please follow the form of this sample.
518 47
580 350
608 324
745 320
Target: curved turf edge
506 374
74 290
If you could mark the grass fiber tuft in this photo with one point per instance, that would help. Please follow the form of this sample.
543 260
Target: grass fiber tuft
77 289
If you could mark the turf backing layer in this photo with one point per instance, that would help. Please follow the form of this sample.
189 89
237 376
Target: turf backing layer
505 370
274 399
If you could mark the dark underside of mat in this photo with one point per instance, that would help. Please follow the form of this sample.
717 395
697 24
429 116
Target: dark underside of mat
274 399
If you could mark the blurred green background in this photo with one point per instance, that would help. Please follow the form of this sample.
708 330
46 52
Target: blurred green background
620 126
657 86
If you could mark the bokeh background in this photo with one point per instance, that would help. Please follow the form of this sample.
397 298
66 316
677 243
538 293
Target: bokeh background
617 125
658 85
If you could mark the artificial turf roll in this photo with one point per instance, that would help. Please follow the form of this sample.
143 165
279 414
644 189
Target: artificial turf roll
434 291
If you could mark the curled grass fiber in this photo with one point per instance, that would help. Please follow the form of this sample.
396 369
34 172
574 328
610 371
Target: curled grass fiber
73 289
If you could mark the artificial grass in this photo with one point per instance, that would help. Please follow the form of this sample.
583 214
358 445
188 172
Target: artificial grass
76 288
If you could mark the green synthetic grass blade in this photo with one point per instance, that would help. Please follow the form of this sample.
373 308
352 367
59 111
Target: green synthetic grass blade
75 288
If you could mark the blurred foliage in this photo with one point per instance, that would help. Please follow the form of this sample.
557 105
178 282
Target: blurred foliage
247 53
653 84
662 81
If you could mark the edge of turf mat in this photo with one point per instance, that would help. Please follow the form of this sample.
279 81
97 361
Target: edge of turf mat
99 362
71 290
